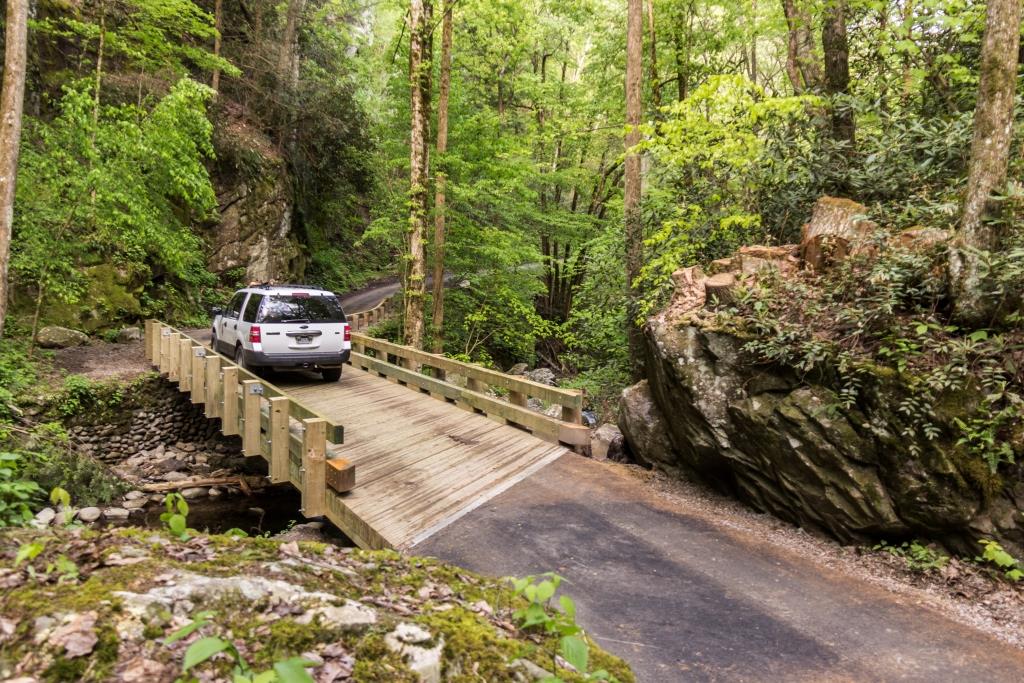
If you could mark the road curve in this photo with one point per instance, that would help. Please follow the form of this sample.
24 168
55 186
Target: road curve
685 599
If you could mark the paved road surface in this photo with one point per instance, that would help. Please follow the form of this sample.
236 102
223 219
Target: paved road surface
369 297
683 599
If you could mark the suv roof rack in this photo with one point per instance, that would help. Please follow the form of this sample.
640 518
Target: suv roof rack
272 285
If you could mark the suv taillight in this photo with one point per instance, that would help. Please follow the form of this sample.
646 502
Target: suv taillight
348 332
254 334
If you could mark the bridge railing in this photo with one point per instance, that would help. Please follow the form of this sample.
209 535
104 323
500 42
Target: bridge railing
430 373
406 365
379 313
300 446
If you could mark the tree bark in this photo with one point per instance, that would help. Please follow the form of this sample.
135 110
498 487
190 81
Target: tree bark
440 200
655 86
12 100
802 61
836 50
218 25
990 150
631 195
420 42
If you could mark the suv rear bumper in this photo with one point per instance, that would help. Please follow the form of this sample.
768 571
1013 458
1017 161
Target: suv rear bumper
258 359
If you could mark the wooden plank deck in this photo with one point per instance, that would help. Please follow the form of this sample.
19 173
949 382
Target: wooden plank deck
421 463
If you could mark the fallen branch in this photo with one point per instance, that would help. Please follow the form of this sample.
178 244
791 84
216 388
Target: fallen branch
244 483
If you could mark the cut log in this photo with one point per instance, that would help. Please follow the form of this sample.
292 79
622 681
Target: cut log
341 475
720 289
689 291
836 231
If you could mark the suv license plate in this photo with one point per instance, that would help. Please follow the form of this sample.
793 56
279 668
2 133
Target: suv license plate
303 340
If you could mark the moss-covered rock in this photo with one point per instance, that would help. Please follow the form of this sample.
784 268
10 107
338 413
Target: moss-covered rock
789 446
101 605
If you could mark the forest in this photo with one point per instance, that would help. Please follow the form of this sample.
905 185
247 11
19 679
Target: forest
688 209
302 114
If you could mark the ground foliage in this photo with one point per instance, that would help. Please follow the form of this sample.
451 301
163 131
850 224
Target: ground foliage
71 588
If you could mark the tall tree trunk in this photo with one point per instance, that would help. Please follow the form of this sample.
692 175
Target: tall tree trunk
420 41
437 321
655 87
836 50
802 62
218 25
12 99
288 73
631 198
990 150
753 42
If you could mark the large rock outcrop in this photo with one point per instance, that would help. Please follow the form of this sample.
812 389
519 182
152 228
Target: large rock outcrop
785 445
256 199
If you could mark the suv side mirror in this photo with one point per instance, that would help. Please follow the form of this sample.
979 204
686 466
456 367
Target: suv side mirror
216 310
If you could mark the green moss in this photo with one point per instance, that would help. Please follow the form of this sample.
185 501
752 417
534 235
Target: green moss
473 648
376 663
96 667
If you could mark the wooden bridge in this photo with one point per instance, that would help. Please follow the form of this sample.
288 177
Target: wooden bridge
406 443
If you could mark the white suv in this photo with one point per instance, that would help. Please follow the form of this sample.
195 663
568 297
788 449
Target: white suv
284 326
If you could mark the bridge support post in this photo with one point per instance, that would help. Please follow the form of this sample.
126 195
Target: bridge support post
517 398
314 467
165 342
173 358
229 410
151 340
198 375
252 390
185 364
213 385
279 438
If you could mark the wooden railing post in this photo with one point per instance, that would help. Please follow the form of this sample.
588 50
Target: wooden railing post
185 364
213 385
517 398
198 375
252 390
174 358
165 345
314 466
474 384
279 437
151 338
229 410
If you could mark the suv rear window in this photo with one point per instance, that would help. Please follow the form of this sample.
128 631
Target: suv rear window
306 308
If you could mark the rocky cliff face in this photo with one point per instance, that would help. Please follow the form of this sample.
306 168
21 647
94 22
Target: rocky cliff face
256 199
784 444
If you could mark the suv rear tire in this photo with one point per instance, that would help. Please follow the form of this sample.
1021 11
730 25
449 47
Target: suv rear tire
331 374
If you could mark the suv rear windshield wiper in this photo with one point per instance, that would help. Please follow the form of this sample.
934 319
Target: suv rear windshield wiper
296 320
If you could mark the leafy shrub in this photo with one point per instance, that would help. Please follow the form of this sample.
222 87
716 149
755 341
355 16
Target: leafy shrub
50 462
919 557
16 492
80 394
540 615
995 555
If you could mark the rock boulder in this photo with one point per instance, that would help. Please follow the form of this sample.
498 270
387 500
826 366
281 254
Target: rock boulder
54 337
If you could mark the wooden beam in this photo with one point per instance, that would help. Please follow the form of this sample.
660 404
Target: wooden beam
198 375
229 409
213 385
314 454
278 433
252 391
185 364
174 358
341 475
